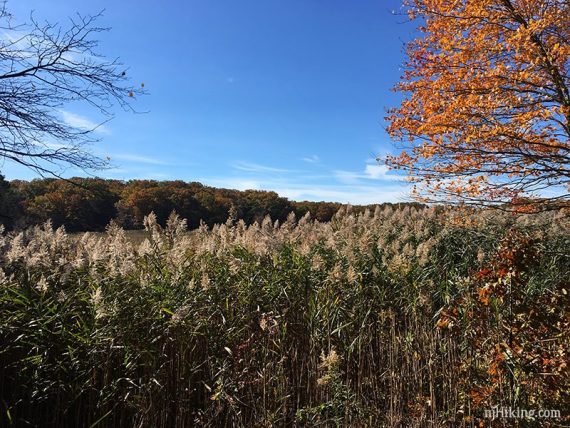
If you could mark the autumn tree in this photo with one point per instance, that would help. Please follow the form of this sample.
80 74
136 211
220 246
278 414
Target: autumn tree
485 116
45 68
78 204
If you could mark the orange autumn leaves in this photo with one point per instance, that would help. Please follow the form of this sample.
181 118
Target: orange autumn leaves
486 109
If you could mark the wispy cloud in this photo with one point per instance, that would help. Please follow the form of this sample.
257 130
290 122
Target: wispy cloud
370 172
19 41
54 146
378 172
114 171
83 123
373 184
137 175
254 167
361 195
138 159
154 176
311 159
299 191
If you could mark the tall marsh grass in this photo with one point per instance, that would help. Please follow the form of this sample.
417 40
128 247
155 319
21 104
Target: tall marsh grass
397 318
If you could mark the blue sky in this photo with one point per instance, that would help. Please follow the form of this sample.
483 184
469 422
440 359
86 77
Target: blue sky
284 95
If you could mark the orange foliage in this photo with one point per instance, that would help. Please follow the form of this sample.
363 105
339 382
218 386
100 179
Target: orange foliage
519 343
487 103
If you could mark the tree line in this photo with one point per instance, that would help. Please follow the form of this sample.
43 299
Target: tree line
89 204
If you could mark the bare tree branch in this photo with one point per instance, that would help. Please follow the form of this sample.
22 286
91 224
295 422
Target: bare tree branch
44 68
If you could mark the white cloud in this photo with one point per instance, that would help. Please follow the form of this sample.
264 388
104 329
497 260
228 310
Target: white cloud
378 172
54 146
83 123
138 159
347 177
368 187
254 167
363 195
374 184
371 172
137 175
18 42
155 176
115 171
299 191
311 159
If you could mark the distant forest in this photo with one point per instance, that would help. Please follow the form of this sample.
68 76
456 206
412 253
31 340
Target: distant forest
89 204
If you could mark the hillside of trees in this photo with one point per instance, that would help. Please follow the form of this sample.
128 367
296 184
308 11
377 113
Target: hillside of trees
89 204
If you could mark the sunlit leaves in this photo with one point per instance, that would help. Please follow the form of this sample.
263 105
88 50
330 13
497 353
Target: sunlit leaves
486 113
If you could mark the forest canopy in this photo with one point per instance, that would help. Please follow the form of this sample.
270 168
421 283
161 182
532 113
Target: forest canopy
89 204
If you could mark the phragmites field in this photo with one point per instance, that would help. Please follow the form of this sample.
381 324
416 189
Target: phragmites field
398 318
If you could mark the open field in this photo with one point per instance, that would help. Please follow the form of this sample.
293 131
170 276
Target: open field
388 318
